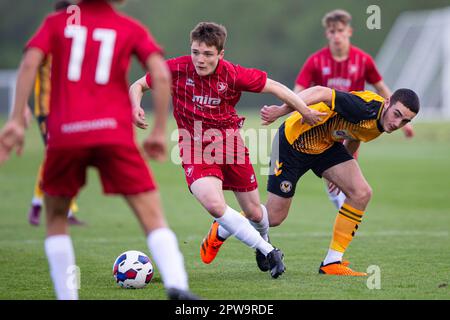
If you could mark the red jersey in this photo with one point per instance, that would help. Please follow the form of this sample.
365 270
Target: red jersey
348 75
89 102
209 101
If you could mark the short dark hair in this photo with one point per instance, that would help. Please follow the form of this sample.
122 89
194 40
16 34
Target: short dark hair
211 33
337 15
62 4
408 98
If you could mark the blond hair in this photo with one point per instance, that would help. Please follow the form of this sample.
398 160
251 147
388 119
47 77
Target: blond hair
337 15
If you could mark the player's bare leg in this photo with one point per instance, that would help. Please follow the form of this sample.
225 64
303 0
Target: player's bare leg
348 177
34 214
162 243
59 248
277 208
208 191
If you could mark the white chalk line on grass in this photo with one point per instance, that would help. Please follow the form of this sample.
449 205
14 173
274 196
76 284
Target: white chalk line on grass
385 233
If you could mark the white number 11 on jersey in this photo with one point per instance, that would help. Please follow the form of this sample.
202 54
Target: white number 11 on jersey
107 38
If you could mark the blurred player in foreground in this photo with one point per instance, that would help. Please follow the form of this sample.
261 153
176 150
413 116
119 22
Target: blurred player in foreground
90 124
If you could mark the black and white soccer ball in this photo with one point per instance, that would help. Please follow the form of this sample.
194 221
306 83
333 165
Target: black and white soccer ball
133 270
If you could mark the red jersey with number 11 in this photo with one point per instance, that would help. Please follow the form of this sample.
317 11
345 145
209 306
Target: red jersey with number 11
91 47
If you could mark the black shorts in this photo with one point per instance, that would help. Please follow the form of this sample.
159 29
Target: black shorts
287 165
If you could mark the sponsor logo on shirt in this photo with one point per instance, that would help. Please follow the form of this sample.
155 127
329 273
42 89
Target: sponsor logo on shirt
339 83
190 82
89 125
206 100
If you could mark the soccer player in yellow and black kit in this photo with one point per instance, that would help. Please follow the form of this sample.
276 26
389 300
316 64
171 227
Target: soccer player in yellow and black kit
41 109
298 147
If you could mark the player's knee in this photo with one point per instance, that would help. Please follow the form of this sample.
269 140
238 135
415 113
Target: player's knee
216 207
363 194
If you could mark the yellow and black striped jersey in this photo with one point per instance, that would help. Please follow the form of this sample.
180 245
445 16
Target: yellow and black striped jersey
42 89
353 116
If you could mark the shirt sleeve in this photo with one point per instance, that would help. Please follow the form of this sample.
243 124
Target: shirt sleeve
42 39
145 44
251 80
353 108
305 76
372 75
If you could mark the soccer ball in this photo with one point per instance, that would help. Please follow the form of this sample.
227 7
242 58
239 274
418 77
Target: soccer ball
133 269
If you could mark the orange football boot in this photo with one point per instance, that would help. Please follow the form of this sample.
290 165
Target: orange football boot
339 269
211 244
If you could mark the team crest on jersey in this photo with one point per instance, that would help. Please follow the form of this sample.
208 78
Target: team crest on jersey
190 82
286 186
341 135
189 171
222 87
326 71
353 69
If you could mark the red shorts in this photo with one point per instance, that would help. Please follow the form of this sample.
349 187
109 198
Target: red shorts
236 175
122 170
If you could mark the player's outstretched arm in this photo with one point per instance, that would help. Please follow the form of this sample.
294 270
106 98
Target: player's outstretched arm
155 145
282 92
271 113
136 92
13 133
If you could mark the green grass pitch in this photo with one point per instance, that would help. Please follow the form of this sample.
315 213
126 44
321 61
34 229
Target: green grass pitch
405 231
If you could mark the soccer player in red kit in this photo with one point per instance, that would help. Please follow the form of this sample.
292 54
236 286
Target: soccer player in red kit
344 67
205 91
90 124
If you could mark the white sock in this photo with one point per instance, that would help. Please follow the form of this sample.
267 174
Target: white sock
61 260
223 233
243 230
163 247
333 256
36 201
263 226
337 199
70 214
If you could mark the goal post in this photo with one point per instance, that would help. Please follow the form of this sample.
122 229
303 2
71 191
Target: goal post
416 55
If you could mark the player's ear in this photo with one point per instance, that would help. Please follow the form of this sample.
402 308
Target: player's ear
350 31
221 54
387 101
